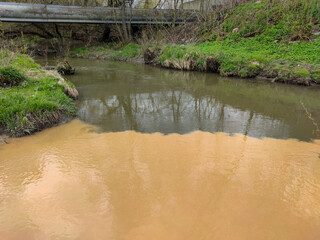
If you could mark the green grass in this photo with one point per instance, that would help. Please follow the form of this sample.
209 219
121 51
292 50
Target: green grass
98 51
33 105
273 39
11 76
79 51
255 49
109 51
128 51
261 43
248 56
18 61
278 19
245 57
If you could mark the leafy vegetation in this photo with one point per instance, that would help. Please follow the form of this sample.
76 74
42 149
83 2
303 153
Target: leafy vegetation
273 39
254 39
251 56
9 76
109 51
38 102
277 19
128 51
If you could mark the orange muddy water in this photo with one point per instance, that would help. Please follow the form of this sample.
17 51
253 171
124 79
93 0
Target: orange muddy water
70 182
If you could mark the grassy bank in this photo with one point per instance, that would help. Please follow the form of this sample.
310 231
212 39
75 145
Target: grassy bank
31 99
286 62
297 62
111 51
275 39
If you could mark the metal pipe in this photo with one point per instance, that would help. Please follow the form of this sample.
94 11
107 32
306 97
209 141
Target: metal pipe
18 12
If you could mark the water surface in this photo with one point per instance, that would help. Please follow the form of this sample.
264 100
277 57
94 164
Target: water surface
118 97
151 157
72 183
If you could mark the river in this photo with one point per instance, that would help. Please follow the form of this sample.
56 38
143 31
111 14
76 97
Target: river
162 154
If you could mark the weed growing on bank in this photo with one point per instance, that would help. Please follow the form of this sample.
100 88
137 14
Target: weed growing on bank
109 51
35 103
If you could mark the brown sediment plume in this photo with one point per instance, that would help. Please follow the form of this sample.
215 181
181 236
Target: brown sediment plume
70 182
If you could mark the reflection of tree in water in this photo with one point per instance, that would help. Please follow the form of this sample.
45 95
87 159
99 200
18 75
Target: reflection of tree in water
173 110
204 109
220 126
248 123
176 105
153 99
181 102
129 106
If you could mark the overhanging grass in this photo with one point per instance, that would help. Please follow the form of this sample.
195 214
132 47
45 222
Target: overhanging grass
33 105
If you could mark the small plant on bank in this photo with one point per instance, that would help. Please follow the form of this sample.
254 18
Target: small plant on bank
9 76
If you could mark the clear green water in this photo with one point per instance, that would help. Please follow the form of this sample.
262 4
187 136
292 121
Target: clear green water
119 96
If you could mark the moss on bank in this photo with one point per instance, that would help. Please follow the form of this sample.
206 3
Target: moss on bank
34 104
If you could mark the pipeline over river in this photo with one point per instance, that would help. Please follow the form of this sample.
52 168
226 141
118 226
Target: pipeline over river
18 12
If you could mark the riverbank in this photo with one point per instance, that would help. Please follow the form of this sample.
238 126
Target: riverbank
276 40
293 63
32 99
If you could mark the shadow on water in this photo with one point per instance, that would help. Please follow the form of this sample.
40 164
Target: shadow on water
119 96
